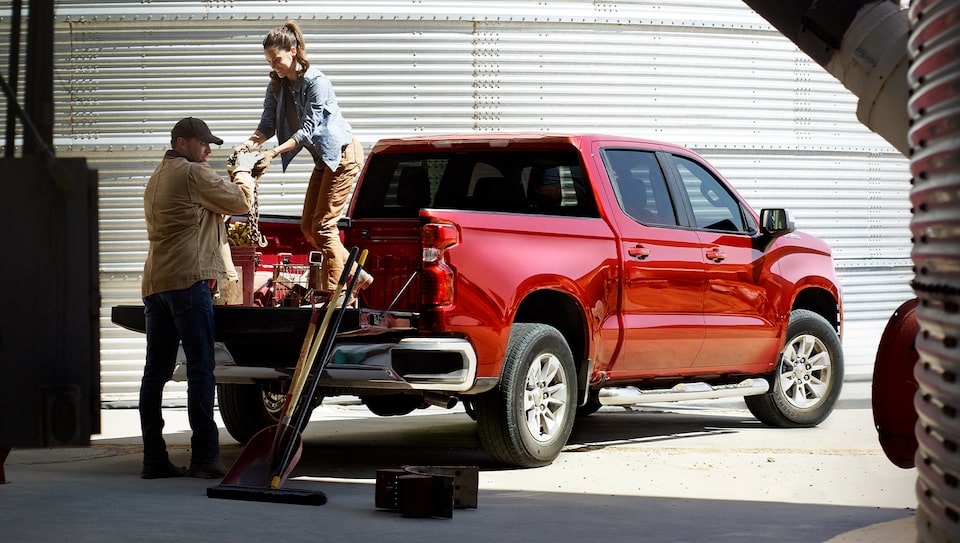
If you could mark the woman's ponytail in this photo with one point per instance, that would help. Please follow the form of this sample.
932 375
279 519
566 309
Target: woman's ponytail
294 29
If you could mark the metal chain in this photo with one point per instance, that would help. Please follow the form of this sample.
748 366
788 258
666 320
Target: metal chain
253 218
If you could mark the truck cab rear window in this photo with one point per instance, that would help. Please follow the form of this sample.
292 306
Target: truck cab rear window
537 182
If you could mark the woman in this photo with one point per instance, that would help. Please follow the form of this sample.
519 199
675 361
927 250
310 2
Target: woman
301 108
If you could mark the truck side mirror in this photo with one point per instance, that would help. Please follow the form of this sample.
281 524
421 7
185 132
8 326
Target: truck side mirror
776 221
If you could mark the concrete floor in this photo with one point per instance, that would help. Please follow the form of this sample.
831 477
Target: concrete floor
691 472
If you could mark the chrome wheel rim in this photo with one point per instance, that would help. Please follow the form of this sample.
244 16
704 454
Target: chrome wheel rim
545 397
273 403
806 371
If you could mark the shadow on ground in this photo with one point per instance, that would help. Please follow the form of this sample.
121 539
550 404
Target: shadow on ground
357 447
93 496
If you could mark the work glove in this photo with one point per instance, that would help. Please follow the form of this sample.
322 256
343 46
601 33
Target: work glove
246 146
264 162
246 161
269 155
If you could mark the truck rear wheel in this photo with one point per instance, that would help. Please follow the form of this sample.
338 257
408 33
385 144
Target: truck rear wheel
528 418
247 409
808 378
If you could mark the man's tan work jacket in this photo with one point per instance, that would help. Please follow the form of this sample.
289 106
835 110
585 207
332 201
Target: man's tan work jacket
185 205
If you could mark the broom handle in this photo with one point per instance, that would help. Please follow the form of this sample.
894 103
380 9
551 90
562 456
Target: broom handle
298 379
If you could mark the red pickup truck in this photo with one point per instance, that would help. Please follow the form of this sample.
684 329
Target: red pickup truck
537 277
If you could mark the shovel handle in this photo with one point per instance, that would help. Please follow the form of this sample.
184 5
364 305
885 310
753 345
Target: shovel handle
299 376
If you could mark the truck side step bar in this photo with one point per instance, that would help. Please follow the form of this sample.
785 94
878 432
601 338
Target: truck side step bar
682 391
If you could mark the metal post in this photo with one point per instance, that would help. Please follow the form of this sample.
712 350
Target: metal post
39 83
934 136
12 76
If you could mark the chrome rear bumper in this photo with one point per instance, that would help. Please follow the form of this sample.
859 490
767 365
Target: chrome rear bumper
414 363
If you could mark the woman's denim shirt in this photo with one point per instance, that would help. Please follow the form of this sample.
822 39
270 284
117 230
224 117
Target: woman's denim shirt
322 128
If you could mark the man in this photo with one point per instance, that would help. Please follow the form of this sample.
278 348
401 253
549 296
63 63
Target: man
185 205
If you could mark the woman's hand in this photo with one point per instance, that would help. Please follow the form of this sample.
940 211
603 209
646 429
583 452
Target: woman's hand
245 147
252 144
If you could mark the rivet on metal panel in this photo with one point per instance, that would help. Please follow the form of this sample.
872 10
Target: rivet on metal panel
387 494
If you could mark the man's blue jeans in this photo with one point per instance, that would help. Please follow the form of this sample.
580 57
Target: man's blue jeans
173 317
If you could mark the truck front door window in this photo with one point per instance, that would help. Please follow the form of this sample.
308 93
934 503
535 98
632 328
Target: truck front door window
714 208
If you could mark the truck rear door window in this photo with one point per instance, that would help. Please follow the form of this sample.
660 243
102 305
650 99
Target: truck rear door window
640 186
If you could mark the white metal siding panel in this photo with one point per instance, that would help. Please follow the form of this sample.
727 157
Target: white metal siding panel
709 74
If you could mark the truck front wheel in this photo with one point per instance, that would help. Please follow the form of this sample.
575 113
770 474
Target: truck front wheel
808 378
247 409
528 418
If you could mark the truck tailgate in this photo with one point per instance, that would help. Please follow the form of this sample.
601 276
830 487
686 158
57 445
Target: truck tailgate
394 255
255 336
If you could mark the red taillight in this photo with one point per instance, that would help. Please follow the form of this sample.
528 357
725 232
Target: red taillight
438 277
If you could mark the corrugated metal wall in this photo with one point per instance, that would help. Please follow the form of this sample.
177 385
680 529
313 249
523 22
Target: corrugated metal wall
709 74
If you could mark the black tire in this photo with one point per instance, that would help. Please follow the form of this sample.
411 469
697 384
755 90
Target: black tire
809 375
247 409
528 418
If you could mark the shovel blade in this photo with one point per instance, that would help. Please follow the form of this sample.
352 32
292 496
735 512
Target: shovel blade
260 459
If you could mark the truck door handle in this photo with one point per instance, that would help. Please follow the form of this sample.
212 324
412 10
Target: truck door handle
639 252
716 255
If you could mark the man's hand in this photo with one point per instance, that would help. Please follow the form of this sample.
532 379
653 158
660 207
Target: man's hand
246 161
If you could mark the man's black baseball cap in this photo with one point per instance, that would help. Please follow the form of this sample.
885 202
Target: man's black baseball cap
192 127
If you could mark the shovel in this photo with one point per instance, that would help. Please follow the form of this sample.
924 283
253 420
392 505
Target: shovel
269 457
254 466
